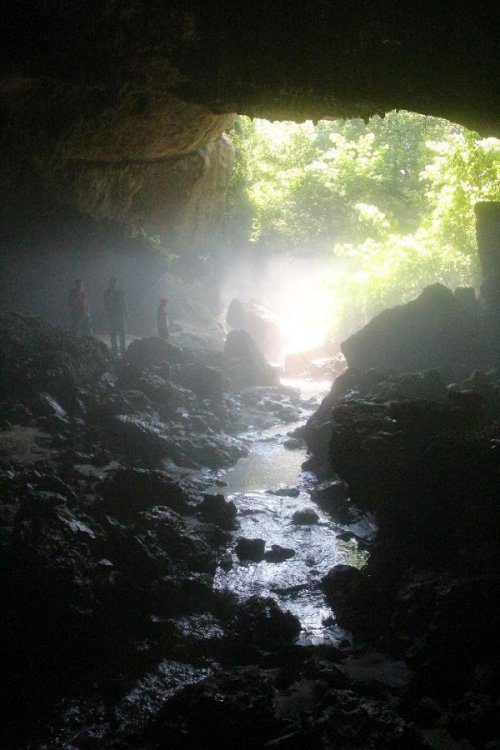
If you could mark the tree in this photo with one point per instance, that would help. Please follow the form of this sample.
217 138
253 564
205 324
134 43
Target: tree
393 198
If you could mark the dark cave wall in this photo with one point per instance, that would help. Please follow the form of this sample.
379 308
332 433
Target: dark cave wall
346 57
118 111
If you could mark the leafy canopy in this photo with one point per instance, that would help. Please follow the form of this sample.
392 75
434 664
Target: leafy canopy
392 199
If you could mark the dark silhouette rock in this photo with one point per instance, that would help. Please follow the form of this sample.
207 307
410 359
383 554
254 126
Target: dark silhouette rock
203 380
151 351
38 357
434 330
130 491
250 549
278 554
245 363
261 622
285 492
218 510
305 517
260 326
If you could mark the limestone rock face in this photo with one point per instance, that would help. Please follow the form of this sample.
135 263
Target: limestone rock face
143 159
183 194
143 126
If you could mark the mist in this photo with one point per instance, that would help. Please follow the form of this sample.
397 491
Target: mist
297 292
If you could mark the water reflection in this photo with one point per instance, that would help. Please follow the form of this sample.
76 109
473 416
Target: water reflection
294 583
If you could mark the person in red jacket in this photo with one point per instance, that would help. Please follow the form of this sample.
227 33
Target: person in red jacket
78 303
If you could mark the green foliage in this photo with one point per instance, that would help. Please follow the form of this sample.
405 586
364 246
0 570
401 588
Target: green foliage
154 243
392 198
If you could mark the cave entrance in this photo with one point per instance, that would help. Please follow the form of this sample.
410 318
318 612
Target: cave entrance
328 223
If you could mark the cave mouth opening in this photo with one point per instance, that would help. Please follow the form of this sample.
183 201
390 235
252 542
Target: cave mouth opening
328 223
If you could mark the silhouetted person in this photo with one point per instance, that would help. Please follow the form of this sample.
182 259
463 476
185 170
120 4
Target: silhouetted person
161 317
116 308
78 303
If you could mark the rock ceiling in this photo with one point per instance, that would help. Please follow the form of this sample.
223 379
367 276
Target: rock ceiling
120 110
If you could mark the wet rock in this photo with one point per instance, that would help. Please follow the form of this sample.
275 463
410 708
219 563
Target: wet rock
216 509
198 633
16 413
154 351
285 492
130 491
294 443
212 451
250 549
245 364
305 517
344 587
166 395
139 436
333 497
350 720
226 562
235 705
376 667
426 608
182 540
278 554
428 385
318 436
261 622
205 381
41 501
44 405
35 356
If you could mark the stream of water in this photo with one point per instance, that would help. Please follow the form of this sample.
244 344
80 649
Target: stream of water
295 582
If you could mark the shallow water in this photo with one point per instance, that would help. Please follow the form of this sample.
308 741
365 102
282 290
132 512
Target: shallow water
294 583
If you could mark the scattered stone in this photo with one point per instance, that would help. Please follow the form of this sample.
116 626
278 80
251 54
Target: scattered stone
261 622
154 351
226 561
216 509
130 491
205 381
278 554
305 517
294 443
250 549
285 492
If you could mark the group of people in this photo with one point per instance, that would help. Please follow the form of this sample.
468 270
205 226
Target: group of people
116 311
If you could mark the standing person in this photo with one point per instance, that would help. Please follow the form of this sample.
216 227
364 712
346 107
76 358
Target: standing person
161 317
78 303
116 308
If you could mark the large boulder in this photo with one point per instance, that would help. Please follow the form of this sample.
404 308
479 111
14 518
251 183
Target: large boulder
153 351
131 491
259 324
36 356
434 330
245 363
205 381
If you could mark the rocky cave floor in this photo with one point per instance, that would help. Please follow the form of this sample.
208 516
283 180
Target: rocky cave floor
113 634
